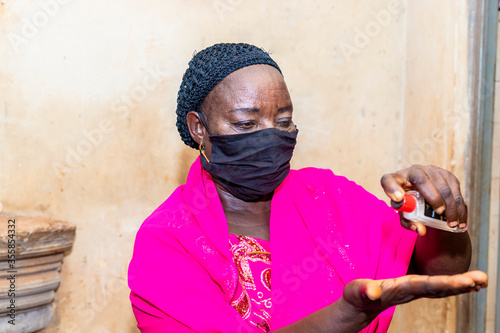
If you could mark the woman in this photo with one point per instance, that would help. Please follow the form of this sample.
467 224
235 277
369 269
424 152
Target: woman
338 256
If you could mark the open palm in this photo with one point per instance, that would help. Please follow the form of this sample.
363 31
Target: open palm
378 295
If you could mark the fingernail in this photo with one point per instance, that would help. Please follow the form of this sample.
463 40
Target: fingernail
462 225
440 210
453 224
398 195
413 227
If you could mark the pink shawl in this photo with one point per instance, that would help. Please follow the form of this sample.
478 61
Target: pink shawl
325 232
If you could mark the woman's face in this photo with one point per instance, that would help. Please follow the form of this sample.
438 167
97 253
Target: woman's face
249 99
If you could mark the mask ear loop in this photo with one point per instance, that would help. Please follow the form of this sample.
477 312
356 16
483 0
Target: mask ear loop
203 121
202 151
202 147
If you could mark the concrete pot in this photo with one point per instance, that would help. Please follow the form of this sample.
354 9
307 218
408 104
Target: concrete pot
31 253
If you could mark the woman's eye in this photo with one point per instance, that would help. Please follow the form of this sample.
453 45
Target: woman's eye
245 124
285 123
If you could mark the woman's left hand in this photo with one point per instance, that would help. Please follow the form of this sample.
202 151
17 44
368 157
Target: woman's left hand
439 187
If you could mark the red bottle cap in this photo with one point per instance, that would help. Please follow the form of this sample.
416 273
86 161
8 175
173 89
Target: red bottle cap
408 204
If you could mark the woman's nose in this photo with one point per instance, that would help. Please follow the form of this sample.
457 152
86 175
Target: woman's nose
268 123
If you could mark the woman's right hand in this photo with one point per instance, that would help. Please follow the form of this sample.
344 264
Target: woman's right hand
374 296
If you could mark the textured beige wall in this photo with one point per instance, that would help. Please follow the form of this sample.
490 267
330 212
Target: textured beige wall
436 121
87 103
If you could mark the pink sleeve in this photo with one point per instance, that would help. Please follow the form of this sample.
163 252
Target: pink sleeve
389 245
172 292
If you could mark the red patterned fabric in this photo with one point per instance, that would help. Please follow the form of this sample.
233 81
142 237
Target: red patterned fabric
252 298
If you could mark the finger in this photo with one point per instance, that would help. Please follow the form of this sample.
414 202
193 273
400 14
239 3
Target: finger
361 292
421 286
373 291
446 192
460 206
481 278
417 227
421 181
451 282
394 186
364 293
451 285
440 286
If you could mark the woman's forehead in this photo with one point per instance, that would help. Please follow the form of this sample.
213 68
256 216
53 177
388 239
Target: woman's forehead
248 87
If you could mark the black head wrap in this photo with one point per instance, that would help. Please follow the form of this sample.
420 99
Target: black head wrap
207 68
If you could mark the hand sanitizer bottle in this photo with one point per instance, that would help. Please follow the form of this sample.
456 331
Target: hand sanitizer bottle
416 208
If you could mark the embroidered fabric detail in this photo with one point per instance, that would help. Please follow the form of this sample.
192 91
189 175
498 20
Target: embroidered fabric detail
252 299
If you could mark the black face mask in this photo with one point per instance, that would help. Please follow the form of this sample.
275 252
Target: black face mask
251 165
